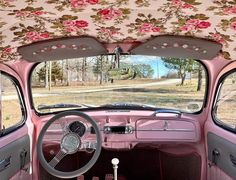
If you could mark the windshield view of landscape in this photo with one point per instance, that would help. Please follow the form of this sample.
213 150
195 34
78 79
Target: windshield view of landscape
128 80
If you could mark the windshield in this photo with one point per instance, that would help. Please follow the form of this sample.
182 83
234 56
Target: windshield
125 81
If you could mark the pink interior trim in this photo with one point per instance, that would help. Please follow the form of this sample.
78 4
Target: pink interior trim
214 173
14 136
22 174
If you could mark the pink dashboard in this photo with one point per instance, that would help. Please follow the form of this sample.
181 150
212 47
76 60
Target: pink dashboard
125 129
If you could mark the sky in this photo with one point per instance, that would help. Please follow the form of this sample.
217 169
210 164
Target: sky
155 62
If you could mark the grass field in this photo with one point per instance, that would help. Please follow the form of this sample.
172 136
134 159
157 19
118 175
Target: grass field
172 96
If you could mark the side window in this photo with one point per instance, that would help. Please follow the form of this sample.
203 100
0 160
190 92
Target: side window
11 115
225 105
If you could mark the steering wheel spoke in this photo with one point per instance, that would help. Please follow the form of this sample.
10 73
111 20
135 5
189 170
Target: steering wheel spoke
59 156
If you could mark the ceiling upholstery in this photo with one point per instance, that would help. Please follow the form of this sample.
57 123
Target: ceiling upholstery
110 21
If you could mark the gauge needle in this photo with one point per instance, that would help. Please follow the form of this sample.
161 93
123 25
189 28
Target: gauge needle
77 128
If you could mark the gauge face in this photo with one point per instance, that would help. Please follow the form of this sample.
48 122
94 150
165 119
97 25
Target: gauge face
77 127
70 143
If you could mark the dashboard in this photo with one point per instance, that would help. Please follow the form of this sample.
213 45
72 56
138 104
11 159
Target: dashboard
125 129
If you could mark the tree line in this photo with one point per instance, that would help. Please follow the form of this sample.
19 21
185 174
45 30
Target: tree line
105 69
99 68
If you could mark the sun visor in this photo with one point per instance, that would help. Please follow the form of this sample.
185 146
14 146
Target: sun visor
64 48
179 47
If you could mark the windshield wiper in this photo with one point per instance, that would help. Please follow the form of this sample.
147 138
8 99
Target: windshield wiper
62 105
127 105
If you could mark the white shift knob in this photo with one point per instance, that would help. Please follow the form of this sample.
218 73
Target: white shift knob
115 161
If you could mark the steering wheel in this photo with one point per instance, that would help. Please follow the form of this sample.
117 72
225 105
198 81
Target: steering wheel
70 143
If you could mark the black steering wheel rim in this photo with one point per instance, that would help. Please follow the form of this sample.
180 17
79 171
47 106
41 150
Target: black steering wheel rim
86 167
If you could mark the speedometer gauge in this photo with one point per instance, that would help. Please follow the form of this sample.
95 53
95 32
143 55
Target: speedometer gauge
77 127
70 143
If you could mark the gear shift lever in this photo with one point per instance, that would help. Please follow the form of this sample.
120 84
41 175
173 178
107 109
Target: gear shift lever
115 163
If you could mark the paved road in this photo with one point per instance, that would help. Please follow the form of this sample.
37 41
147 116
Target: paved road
115 87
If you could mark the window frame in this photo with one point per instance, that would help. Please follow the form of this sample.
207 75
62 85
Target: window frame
19 92
219 86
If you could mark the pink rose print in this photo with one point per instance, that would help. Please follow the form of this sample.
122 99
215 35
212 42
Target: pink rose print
105 30
7 50
73 26
108 32
117 13
35 36
27 13
38 13
231 10
187 28
44 35
176 2
68 23
71 29
22 14
80 3
148 27
187 6
218 38
182 4
31 35
233 25
104 12
76 3
193 22
204 25
81 23
92 1
145 27
156 29
109 13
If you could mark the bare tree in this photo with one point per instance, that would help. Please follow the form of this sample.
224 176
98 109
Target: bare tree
84 68
199 84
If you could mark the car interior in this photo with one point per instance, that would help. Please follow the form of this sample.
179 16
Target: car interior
117 90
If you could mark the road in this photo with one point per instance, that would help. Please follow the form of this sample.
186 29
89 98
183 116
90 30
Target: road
131 86
115 87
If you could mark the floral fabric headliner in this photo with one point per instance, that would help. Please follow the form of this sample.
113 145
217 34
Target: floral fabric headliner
110 21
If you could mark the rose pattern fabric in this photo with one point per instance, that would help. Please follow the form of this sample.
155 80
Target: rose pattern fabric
6 3
145 25
29 12
26 21
108 34
73 5
105 15
70 25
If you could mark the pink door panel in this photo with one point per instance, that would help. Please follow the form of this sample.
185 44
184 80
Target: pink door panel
220 143
15 139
